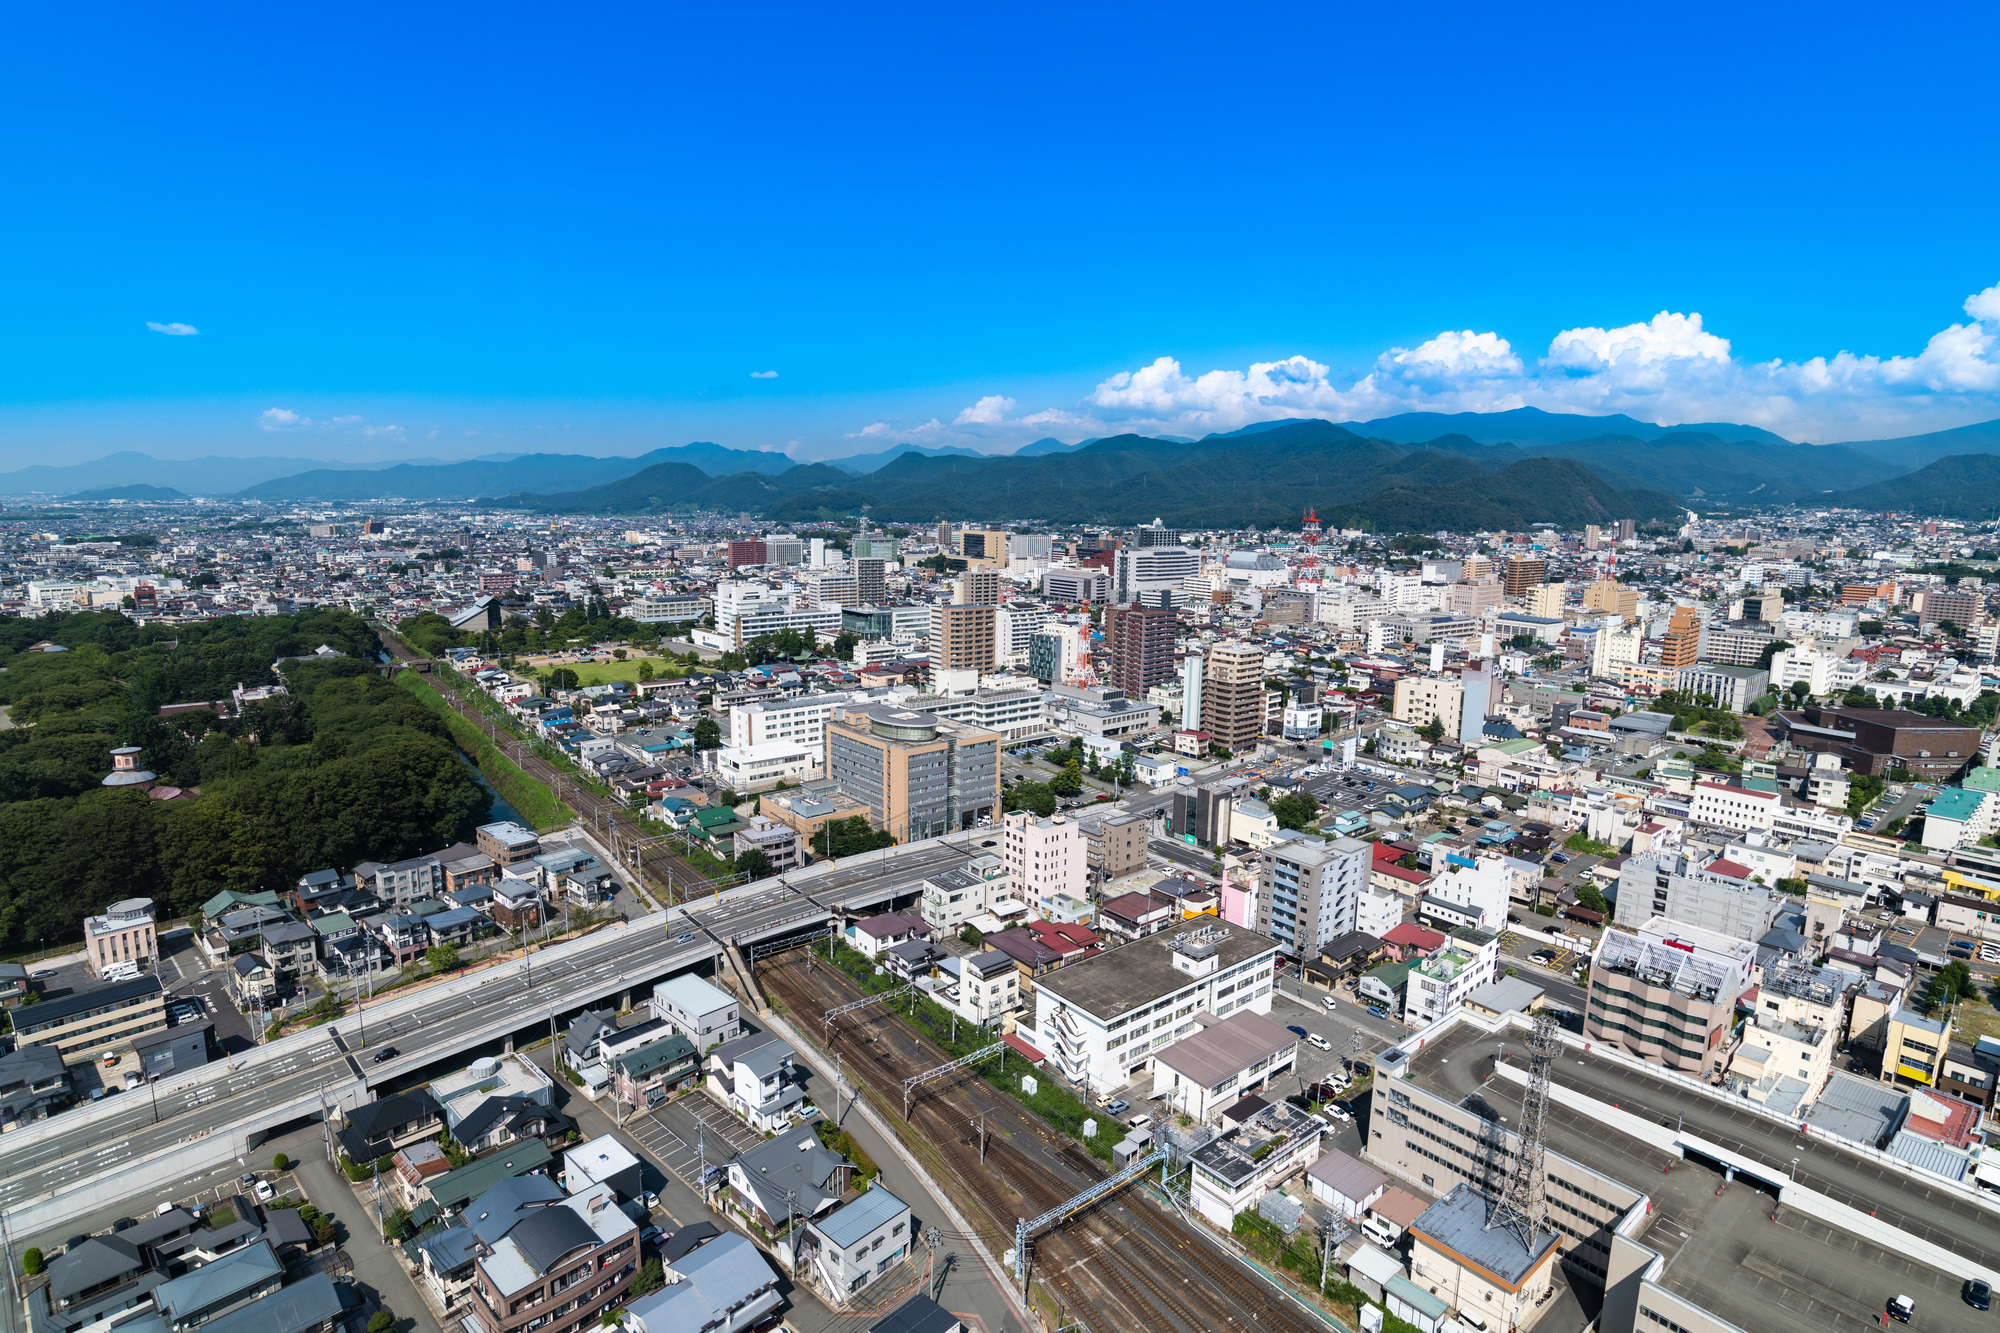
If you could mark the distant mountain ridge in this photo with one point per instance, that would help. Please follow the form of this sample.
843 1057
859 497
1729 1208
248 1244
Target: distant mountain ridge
524 473
1955 486
136 491
1714 462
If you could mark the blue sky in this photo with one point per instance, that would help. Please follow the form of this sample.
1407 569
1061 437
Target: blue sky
403 231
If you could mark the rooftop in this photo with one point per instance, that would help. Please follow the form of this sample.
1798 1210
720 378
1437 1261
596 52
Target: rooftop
1143 971
1460 1223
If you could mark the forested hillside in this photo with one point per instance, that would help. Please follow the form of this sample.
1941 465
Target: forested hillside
344 768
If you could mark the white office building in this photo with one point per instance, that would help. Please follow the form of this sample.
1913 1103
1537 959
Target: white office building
801 721
1141 570
1099 1020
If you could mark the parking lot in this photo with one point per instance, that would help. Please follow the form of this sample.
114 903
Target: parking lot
681 1133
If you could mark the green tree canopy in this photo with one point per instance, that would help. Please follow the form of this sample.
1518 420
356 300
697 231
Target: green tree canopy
1295 810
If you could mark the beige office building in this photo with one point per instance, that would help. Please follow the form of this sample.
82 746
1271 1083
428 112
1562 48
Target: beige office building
919 776
1612 598
963 637
1421 698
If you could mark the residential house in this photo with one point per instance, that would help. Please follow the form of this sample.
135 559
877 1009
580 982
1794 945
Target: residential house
650 1074
497 1101
721 1287
33 1082
376 1129
989 986
789 1176
703 1014
855 1244
755 1077
876 934
215 1289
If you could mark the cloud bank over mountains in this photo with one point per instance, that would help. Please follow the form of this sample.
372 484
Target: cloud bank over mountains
1668 369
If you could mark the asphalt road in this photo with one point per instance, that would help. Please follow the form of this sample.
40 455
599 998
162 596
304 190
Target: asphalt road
201 1105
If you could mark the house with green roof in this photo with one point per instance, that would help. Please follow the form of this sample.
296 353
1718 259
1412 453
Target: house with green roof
1385 985
229 900
450 1192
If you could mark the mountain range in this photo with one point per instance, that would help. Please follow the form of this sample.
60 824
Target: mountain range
1469 463
1268 478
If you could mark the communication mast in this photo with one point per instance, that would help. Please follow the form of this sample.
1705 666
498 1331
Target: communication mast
1524 1208
1309 568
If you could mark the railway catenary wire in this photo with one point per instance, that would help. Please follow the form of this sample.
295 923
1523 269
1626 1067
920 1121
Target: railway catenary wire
670 875
1122 1256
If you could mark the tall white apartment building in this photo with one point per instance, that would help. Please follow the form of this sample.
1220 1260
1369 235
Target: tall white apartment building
1485 887
1013 628
801 721
1045 859
736 598
1737 808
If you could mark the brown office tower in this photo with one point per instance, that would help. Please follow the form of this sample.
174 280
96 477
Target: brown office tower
962 638
1141 639
748 553
1523 574
870 587
1683 639
1232 695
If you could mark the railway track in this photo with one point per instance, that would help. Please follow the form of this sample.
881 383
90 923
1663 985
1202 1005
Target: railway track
672 877
1123 1264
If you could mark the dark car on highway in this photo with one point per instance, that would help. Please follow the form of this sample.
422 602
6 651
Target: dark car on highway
386 1053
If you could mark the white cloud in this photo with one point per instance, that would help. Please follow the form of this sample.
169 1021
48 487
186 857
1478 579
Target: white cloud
173 330
988 411
1668 369
763 374
284 419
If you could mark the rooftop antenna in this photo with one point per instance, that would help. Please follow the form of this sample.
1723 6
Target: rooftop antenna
1524 1208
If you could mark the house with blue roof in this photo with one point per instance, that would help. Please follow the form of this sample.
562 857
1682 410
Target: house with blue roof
724 1284
854 1245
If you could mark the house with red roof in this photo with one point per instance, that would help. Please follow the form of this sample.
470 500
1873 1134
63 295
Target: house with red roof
1408 941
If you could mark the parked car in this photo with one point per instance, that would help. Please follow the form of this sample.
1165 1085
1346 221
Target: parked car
1139 1122
265 1190
248 1180
1336 1112
1319 1042
1377 1011
1298 1032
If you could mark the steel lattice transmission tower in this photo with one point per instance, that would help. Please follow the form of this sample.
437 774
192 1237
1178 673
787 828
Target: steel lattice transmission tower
1524 1208
1309 569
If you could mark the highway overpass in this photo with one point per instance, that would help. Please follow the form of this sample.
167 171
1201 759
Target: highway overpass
88 1157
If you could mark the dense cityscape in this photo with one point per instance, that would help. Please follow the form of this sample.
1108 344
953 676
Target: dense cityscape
1703 804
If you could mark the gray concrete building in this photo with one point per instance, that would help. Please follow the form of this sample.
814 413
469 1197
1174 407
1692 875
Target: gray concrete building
1309 890
1670 885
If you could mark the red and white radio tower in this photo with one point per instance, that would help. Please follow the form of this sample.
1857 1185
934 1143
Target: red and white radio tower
1309 569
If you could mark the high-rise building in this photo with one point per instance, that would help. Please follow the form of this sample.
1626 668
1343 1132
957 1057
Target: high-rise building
1962 608
1156 534
963 638
1014 629
1141 640
1683 647
1627 529
870 574
1052 654
1308 890
1232 695
978 587
1137 571
1613 598
983 548
919 776
1523 573
1191 676
1593 537
1046 859
1547 600
830 589
747 553
1477 698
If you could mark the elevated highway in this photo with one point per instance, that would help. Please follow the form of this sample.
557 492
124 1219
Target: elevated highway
88 1157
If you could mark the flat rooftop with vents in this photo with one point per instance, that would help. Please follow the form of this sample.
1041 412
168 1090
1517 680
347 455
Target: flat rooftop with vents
1723 1261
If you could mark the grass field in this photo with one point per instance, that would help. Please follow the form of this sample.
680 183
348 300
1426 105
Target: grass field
530 798
603 673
